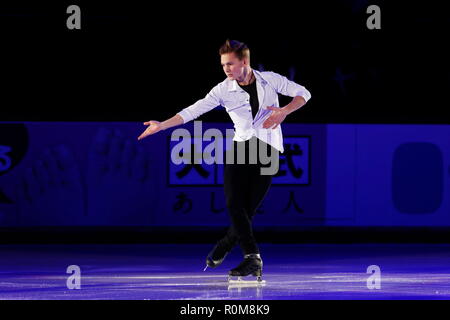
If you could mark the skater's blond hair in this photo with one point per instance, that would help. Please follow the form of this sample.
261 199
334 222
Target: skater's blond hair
240 49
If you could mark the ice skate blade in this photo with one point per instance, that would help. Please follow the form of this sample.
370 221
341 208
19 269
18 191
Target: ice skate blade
244 283
239 281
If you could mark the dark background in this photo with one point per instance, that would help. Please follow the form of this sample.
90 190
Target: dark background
136 62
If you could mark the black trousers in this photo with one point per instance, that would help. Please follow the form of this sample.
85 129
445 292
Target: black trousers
245 188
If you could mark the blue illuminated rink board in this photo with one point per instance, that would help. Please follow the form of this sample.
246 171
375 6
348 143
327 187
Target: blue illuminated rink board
293 169
329 175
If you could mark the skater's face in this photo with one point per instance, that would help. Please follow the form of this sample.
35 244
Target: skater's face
232 66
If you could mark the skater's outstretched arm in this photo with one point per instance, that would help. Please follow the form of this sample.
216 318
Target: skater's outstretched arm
156 126
187 114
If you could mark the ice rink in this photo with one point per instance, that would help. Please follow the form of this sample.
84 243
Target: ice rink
175 271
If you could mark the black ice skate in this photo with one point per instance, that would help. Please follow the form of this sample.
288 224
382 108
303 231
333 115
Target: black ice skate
215 257
251 265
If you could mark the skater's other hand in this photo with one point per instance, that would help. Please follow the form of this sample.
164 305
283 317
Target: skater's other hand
154 127
278 115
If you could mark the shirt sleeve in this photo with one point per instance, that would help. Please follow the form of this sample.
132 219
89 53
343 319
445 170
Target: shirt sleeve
287 87
202 106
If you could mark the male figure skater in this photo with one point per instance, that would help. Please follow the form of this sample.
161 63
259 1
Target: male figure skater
251 99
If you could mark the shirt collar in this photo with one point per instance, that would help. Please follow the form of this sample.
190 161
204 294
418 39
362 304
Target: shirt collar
233 85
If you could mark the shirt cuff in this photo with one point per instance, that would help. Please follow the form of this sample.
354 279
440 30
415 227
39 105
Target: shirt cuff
304 95
186 115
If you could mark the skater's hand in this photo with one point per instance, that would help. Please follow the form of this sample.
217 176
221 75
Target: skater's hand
278 115
154 127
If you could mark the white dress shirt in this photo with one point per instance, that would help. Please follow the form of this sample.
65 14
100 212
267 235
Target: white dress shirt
237 103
